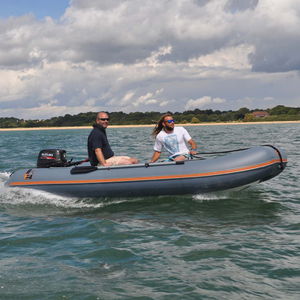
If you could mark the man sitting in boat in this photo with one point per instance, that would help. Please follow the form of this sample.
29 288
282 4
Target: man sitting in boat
99 149
173 139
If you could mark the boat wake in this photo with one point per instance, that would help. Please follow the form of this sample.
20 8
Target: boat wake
25 196
4 176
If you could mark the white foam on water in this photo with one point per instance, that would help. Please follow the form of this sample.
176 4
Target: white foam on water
226 194
23 196
209 197
4 176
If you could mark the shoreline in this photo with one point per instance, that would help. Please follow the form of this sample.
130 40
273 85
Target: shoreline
149 125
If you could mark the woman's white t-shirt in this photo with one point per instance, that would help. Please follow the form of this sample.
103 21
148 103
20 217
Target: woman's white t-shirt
174 143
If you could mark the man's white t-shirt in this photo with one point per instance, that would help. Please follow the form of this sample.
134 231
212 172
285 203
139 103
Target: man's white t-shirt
174 143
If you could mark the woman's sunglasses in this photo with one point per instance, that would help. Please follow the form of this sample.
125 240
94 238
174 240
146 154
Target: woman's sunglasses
170 121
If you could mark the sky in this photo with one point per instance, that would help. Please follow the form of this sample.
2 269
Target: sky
39 8
66 57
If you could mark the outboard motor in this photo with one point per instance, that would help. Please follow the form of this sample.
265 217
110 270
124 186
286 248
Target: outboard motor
52 158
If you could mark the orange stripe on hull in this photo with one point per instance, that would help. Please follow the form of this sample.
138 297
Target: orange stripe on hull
150 178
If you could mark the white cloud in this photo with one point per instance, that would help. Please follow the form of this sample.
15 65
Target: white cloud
127 98
148 99
236 58
163 103
153 60
203 102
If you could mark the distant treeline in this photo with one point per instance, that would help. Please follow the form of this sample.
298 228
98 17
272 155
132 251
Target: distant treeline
277 113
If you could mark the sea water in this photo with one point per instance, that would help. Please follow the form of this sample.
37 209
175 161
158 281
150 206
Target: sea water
228 245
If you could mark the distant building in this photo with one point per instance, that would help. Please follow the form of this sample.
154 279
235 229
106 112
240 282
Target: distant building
260 114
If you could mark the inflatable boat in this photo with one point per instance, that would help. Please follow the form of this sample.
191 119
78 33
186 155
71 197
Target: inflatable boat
198 175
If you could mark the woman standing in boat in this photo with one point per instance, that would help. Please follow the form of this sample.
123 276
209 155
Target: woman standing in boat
99 149
173 139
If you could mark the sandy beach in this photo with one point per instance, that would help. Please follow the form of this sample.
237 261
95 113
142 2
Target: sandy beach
152 125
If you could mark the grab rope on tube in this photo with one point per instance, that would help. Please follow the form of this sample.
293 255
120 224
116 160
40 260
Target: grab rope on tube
218 152
279 154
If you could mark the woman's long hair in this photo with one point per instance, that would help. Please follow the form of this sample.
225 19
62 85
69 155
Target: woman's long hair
159 126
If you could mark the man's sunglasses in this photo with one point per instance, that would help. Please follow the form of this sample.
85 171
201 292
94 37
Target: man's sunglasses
103 119
170 121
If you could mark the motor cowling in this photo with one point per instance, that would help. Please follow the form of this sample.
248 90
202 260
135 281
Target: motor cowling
52 158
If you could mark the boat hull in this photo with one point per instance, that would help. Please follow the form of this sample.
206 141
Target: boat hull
189 177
